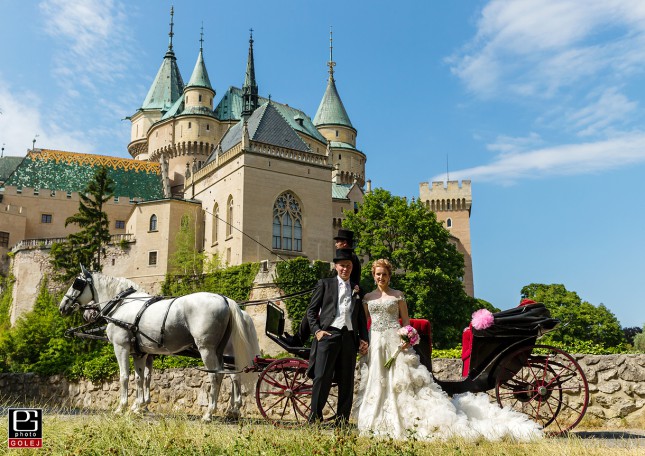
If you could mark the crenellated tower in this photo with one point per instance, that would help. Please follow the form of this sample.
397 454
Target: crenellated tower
452 203
333 123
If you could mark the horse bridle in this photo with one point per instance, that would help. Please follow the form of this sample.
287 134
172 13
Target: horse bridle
83 280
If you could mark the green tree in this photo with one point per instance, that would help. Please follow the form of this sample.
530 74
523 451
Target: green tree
429 269
88 245
187 259
580 320
299 274
639 341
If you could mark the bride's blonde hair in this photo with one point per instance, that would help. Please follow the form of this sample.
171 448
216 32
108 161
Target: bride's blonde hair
382 263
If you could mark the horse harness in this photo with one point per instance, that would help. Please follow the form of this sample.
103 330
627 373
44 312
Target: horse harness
111 306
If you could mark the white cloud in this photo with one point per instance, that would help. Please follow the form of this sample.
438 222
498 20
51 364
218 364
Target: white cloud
610 107
537 47
87 31
561 160
21 121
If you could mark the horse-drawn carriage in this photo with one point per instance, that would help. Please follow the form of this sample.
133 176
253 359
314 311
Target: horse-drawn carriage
541 381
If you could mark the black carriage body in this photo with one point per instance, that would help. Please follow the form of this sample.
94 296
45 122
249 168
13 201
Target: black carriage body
514 328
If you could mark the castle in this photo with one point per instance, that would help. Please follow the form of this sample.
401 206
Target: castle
257 179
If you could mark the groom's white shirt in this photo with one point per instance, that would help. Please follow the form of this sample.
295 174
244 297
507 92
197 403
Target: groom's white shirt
343 306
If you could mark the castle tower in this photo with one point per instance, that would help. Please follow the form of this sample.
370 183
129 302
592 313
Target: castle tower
452 204
333 123
250 100
166 88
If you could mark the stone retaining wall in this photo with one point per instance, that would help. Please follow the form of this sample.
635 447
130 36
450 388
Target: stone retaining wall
616 386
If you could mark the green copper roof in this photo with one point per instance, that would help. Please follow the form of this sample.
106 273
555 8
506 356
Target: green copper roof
340 191
179 109
199 78
331 110
230 108
7 166
69 171
167 86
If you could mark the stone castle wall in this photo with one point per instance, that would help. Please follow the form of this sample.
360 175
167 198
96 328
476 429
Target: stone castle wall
616 386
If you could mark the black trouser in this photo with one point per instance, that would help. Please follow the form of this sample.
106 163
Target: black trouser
335 359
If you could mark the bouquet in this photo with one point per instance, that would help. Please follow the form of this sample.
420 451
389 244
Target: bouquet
408 336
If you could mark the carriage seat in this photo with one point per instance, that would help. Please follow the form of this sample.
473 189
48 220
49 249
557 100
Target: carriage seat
467 337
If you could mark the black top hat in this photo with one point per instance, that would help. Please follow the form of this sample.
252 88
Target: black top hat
345 235
343 254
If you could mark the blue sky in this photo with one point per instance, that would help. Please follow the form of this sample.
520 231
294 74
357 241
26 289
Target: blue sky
540 103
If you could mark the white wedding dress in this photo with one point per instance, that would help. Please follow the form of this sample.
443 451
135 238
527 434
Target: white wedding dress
404 401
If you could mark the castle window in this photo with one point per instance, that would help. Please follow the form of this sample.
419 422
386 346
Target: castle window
339 157
152 258
215 222
200 98
120 224
116 199
337 133
45 218
287 223
229 217
4 239
208 127
36 192
449 223
153 223
190 124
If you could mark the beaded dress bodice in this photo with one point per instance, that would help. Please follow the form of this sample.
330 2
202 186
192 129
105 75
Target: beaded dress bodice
384 313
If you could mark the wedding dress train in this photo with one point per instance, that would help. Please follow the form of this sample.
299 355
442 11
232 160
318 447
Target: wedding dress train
404 401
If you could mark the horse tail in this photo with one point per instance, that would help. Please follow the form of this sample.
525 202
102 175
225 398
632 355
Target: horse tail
243 337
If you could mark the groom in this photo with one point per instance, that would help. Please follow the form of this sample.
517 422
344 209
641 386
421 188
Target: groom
339 334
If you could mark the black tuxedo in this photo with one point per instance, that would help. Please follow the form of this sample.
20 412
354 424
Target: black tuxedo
333 357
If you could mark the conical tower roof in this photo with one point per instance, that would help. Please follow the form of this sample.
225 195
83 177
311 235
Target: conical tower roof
331 110
199 78
168 84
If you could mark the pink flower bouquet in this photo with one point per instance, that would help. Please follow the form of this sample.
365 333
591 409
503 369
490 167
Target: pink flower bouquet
408 336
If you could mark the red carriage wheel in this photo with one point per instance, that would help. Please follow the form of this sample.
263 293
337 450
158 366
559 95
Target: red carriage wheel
283 393
545 383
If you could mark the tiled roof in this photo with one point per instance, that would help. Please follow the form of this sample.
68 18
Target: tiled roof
340 191
266 125
7 166
230 108
331 110
167 86
70 171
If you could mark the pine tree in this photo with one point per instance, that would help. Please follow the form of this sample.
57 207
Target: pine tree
86 246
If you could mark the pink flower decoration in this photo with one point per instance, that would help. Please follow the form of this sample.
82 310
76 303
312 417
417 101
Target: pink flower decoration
482 319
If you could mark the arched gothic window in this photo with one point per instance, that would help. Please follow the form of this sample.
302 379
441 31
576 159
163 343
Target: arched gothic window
229 216
287 223
153 223
215 222
449 223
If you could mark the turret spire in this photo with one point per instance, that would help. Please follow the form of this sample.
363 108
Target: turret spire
172 23
250 87
331 62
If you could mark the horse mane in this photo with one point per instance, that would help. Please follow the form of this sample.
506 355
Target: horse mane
114 284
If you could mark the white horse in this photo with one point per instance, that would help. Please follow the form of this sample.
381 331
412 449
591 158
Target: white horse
142 325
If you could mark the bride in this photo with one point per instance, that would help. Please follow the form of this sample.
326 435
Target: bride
403 401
